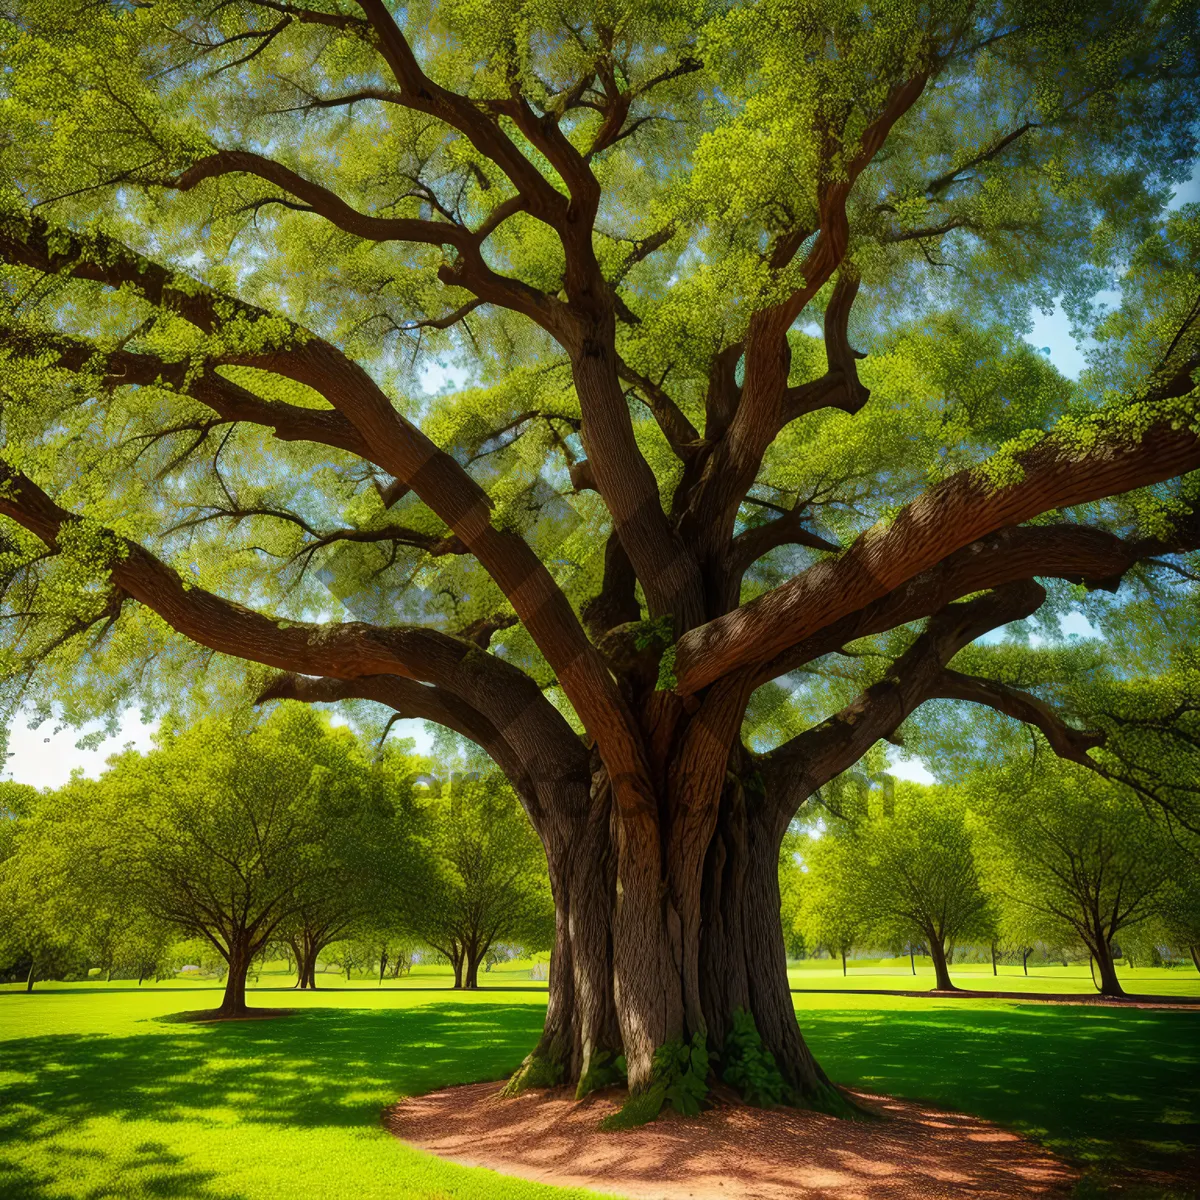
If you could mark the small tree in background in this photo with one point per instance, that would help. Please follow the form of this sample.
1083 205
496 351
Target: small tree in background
222 832
119 936
67 906
913 875
832 912
1081 856
485 878
43 924
362 878
1179 910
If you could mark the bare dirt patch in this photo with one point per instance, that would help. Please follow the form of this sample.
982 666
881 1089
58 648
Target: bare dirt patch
731 1152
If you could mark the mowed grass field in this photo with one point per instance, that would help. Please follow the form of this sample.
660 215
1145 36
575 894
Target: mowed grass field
101 1096
896 974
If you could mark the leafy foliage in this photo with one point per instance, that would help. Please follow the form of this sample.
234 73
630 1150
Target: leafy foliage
679 1077
606 1070
748 1066
480 877
225 832
900 873
1080 859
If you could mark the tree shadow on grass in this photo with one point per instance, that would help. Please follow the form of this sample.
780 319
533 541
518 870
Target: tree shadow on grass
1109 1089
315 1068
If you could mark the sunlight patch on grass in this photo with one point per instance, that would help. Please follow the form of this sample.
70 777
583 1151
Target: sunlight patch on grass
100 1096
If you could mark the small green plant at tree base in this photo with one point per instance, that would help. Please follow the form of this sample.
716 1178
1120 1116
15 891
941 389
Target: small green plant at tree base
749 1066
605 1070
684 1067
637 1110
679 1077
539 1071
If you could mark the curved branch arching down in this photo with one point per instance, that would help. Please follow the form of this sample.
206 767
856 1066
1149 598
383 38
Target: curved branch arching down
1066 741
511 701
411 700
797 768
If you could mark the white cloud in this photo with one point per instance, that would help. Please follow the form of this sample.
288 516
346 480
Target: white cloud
904 767
45 758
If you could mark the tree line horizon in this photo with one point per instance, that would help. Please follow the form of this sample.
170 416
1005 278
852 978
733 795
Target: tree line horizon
104 869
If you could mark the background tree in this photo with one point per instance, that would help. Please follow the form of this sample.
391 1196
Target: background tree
485 877
365 870
792 877
1179 908
1080 855
832 912
670 477
224 830
43 925
119 938
914 875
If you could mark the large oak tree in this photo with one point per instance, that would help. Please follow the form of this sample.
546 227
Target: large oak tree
746 426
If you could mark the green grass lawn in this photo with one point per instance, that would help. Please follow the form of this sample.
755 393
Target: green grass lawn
896 974
100 1097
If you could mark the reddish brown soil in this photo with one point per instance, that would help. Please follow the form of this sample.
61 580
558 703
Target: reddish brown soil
731 1152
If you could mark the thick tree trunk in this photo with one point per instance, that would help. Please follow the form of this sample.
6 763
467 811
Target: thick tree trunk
994 971
306 948
29 978
233 1003
1196 955
456 961
743 955
1108 984
581 1016
941 970
619 975
1025 959
473 957
912 958
647 951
